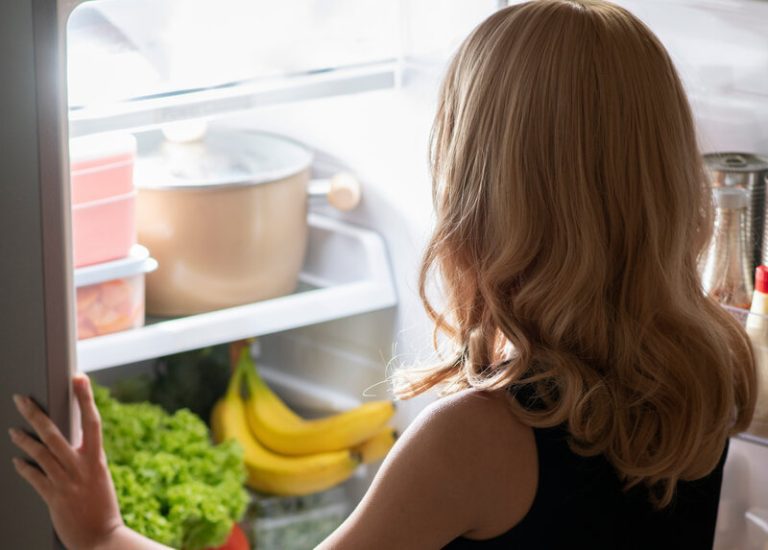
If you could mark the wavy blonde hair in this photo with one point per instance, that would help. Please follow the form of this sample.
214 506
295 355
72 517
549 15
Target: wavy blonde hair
572 206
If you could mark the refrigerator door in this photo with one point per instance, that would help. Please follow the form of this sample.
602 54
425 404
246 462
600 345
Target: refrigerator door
35 296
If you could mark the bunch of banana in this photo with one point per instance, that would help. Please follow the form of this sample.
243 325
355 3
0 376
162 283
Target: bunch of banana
279 428
282 474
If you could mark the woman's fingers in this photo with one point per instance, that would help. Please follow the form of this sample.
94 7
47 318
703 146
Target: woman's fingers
39 453
47 431
89 414
34 477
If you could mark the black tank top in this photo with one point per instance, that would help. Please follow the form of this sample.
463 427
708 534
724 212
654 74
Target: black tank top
580 503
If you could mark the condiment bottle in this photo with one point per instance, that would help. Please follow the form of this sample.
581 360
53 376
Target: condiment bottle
757 328
726 274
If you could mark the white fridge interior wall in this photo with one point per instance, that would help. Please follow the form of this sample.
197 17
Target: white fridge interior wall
720 49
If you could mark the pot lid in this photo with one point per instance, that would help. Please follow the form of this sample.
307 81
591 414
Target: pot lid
223 157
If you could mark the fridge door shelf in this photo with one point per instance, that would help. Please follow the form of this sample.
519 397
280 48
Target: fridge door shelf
346 272
756 439
153 112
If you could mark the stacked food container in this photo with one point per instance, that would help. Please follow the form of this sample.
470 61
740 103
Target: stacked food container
109 265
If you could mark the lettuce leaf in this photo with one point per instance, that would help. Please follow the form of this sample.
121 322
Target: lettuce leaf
174 486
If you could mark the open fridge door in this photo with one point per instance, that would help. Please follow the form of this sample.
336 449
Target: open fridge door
35 291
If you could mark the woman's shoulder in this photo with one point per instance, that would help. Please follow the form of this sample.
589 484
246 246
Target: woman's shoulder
464 467
476 415
490 449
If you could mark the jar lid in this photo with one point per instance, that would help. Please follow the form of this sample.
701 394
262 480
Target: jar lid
730 197
735 162
136 263
222 157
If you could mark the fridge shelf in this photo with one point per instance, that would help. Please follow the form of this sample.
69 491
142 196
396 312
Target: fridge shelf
756 439
346 272
152 112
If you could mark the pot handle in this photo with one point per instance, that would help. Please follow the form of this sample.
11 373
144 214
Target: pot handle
342 191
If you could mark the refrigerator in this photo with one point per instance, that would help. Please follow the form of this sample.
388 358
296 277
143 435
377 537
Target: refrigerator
356 82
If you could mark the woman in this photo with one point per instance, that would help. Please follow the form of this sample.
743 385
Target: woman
593 385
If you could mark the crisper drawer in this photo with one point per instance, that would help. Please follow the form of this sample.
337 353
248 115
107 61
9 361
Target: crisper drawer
298 523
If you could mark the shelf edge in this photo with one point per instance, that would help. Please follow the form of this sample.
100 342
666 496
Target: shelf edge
152 113
754 439
267 317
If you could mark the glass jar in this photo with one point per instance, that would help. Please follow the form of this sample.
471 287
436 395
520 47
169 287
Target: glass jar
726 275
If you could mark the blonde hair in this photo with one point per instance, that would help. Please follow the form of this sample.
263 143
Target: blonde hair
572 207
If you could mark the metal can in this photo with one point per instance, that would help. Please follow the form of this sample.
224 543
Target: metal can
749 172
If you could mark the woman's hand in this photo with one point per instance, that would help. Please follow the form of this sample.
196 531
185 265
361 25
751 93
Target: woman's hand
74 483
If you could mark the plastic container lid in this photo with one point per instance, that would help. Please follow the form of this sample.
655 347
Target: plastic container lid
761 279
136 263
224 157
730 197
97 148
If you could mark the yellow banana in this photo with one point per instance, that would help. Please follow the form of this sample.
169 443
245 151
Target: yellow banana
377 447
280 429
269 472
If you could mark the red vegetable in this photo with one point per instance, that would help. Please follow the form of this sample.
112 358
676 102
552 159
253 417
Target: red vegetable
236 541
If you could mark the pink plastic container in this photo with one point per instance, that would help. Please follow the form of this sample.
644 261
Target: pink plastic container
103 197
104 230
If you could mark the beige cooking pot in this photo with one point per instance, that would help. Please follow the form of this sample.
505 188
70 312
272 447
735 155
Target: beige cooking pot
225 217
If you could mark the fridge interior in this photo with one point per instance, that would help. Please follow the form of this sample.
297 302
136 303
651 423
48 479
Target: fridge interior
356 82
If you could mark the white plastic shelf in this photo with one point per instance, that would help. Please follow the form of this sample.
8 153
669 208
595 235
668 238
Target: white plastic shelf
147 113
755 439
346 266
